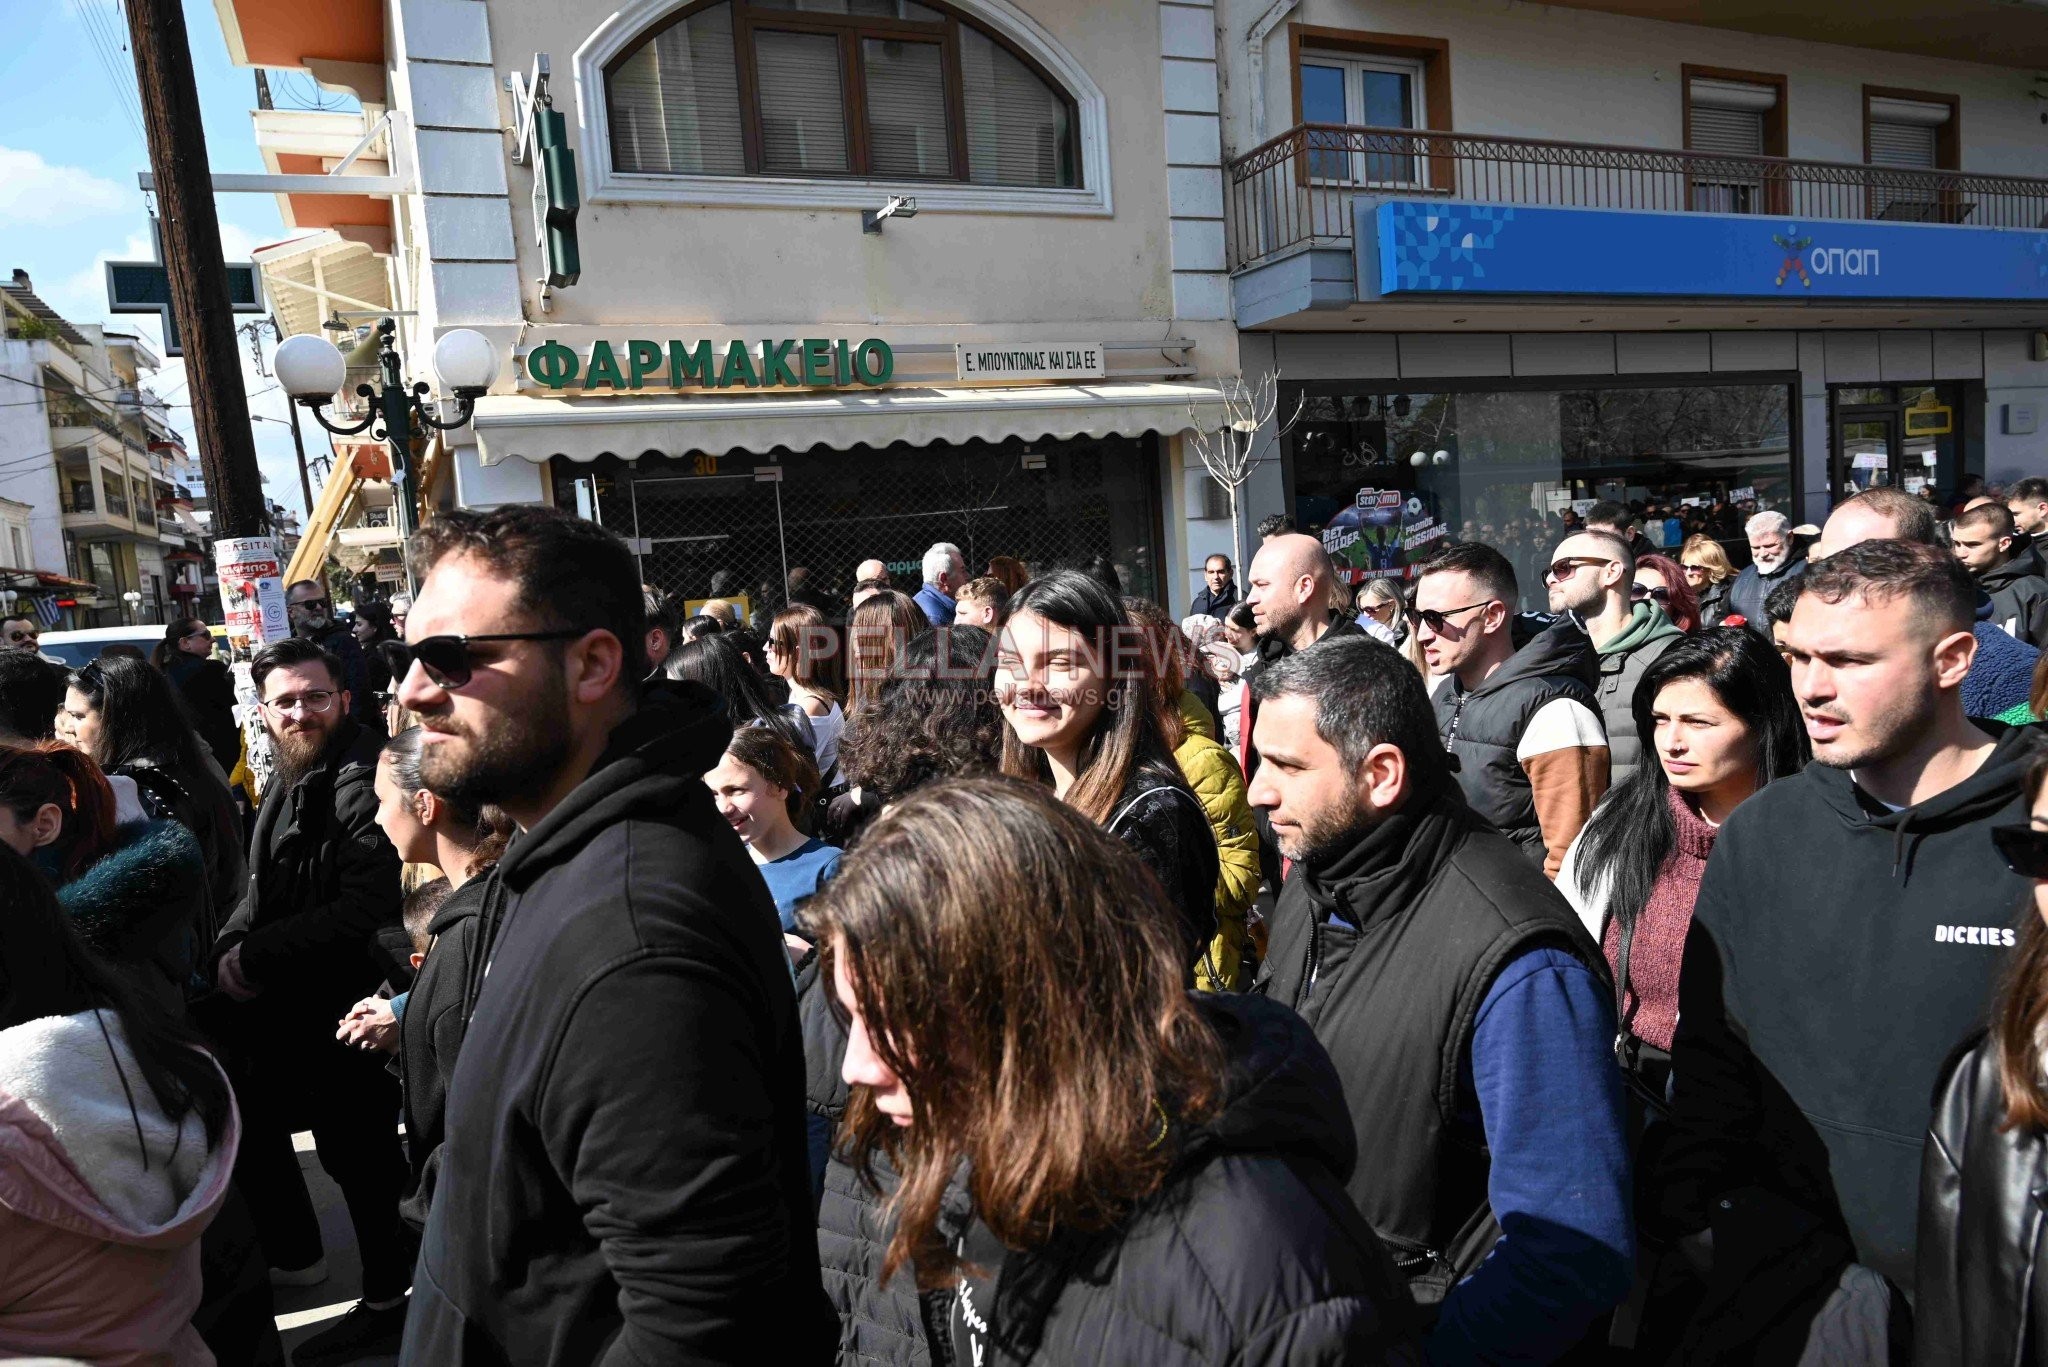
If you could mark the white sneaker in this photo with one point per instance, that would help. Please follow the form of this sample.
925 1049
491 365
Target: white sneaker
312 1274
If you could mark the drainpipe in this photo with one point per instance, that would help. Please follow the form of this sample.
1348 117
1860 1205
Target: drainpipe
1255 61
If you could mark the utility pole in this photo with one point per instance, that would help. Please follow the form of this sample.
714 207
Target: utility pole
198 273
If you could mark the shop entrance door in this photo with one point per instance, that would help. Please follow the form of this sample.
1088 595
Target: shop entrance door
715 532
1867 451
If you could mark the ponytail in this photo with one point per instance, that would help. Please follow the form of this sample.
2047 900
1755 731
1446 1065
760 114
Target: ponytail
51 773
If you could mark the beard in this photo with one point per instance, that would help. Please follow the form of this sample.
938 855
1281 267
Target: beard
1771 564
520 756
298 753
1329 833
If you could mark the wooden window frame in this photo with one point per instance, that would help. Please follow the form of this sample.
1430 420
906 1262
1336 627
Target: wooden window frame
1777 123
1434 55
852 31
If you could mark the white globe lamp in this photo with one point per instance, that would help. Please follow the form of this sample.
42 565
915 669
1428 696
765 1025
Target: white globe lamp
1442 458
309 368
1419 459
465 362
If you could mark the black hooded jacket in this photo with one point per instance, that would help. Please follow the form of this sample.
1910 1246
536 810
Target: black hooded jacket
1838 953
2019 596
1249 1253
623 1178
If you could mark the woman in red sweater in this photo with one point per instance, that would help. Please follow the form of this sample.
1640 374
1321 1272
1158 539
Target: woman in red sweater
1719 711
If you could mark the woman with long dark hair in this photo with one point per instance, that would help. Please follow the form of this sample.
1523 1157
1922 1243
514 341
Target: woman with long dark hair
876 633
1081 717
719 665
1089 1164
129 718
117 1138
136 893
1983 1247
1717 710
802 650
185 655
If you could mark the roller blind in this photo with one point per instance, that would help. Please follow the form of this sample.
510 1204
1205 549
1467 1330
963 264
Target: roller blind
675 102
906 107
1727 132
803 114
1902 144
1019 129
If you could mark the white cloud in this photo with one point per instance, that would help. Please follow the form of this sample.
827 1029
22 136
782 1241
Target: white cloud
34 192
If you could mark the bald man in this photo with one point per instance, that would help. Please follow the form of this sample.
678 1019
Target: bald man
872 571
1292 592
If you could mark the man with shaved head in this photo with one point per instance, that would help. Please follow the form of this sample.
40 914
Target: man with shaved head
1292 592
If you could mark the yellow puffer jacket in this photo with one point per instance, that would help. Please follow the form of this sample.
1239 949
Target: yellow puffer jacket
1214 776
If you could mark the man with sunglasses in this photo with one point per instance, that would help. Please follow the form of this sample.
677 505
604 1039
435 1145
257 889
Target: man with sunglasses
1848 934
24 634
290 962
1591 577
311 613
1524 724
625 1172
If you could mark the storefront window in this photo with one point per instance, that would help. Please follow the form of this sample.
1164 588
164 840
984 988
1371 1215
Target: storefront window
714 527
1384 476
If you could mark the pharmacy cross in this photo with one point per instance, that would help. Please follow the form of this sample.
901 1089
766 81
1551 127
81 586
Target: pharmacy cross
145 287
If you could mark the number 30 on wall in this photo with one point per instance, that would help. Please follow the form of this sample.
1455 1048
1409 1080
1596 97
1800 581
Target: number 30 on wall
706 465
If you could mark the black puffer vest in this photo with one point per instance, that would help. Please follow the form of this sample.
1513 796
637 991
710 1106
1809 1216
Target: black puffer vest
1483 726
1439 904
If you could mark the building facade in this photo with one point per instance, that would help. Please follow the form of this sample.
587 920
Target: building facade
754 372
1511 259
90 455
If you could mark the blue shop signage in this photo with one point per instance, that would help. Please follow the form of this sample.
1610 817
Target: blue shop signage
1410 248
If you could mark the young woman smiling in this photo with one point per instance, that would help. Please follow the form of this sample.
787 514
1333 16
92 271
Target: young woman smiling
1081 715
1719 712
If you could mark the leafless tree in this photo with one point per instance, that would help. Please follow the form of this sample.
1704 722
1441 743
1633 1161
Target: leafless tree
1243 440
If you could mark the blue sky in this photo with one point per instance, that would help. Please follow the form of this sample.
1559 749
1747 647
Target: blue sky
70 149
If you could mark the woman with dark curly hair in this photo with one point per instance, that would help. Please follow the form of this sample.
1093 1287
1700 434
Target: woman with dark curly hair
935 716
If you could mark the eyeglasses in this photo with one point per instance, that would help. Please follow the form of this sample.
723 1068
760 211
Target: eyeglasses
447 661
1436 620
1561 570
1695 571
2025 849
312 704
1638 592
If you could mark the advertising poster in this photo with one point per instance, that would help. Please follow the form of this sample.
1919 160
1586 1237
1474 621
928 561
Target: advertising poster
1366 537
252 595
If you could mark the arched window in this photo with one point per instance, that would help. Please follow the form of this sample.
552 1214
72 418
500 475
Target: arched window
866 89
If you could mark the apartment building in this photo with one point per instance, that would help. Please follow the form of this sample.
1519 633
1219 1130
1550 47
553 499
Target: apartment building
94 479
850 276
1510 258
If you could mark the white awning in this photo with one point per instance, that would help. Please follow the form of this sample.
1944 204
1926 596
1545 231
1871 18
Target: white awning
518 425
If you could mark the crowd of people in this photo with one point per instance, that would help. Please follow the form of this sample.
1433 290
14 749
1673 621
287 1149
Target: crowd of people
998 969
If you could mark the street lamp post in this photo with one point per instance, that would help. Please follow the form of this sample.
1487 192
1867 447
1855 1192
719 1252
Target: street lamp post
312 371
132 598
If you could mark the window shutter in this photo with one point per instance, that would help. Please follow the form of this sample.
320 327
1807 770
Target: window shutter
906 84
803 113
1902 144
1727 132
675 103
1019 130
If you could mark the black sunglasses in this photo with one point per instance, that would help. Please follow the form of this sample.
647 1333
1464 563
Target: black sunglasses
1658 592
1436 619
446 658
2025 849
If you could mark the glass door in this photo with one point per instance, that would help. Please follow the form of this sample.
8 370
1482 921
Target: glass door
1866 452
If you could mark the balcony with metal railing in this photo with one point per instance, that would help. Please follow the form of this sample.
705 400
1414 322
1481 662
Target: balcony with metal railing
1300 188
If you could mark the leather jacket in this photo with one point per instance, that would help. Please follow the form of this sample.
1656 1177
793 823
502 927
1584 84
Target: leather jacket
1981 1227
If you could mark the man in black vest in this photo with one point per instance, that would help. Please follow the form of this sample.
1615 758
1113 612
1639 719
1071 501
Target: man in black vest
1468 1014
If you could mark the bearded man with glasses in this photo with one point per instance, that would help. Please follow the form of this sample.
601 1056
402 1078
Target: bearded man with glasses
1524 723
291 961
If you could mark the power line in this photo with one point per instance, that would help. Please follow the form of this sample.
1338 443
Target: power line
104 44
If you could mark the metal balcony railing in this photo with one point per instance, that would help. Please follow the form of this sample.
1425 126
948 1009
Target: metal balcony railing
1299 187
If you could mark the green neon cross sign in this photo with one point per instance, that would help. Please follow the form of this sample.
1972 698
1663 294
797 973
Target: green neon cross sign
145 287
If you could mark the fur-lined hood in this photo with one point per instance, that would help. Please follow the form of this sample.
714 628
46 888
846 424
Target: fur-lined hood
153 876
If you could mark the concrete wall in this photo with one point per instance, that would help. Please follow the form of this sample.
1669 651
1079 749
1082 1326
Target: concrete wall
28 472
1575 75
